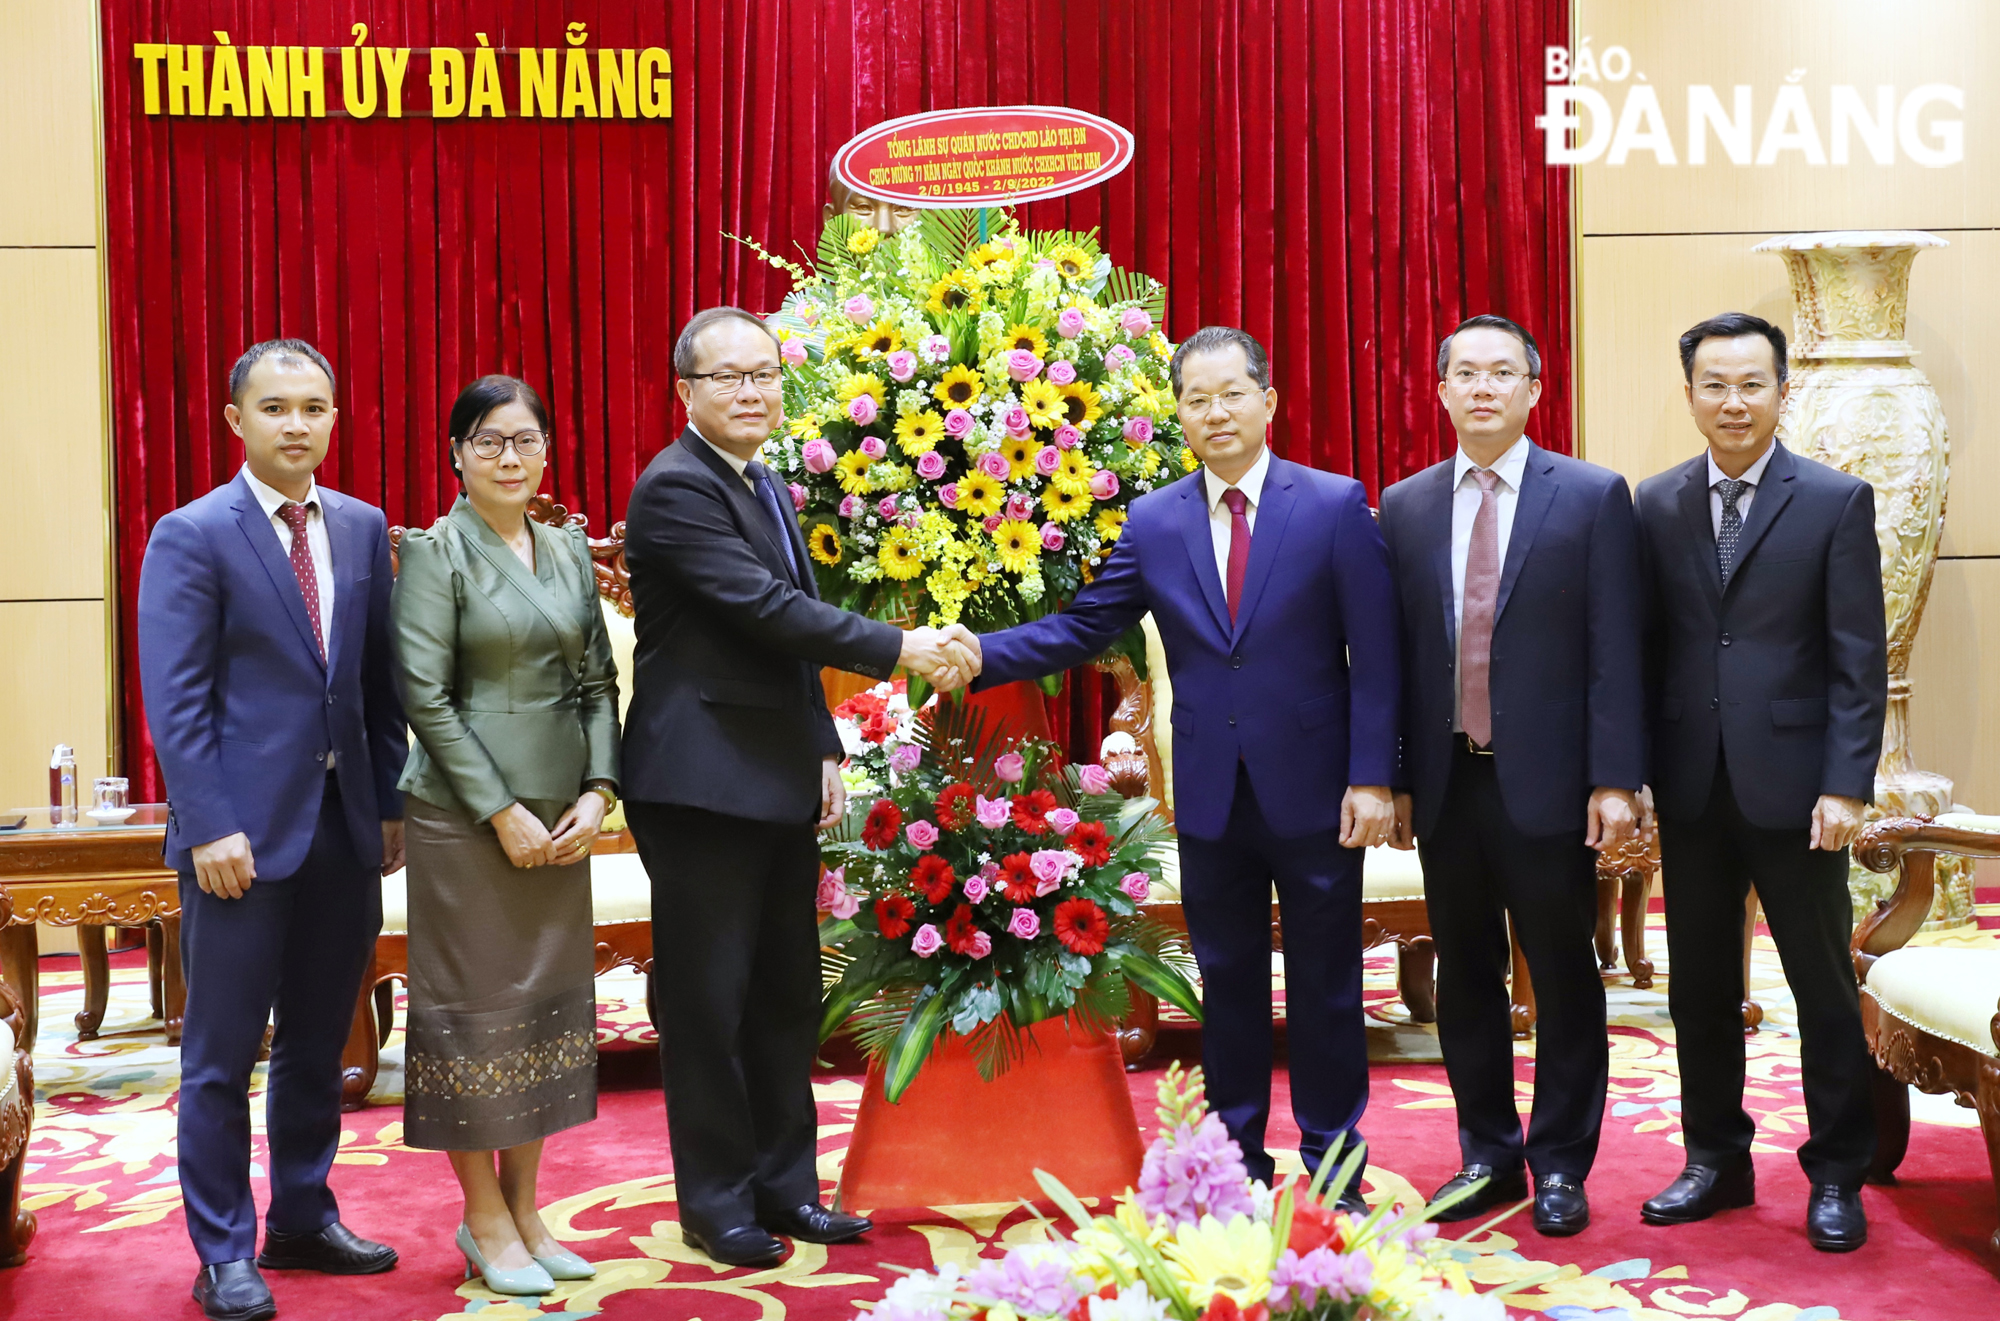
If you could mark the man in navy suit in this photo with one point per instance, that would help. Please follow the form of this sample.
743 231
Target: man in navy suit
1271 590
1523 750
1768 686
265 660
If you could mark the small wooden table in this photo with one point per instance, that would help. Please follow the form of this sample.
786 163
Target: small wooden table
92 875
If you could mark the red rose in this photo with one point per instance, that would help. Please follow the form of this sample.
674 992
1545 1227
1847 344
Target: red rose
961 933
933 877
878 727
893 913
955 807
885 823
860 706
1081 926
1031 810
1091 842
1017 878
1223 1308
1315 1226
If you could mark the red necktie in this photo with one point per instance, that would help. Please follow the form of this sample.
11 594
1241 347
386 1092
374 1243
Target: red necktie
302 565
1475 632
1239 546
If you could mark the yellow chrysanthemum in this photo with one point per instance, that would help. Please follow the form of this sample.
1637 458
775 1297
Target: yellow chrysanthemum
1110 525
1398 1282
1073 472
851 471
1044 403
879 340
823 542
899 555
1064 506
956 292
918 433
1018 543
979 495
1211 1258
1188 461
1072 262
1020 456
1150 399
1147 463
960 387
804 427
1080 405
862 241
1021 336
862 383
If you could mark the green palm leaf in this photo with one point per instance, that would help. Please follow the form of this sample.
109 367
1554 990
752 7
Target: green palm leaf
1153 976
913 1044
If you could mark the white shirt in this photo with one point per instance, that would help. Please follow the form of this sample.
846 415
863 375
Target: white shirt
1219 517
1753 476
1465 495
738 464
317 544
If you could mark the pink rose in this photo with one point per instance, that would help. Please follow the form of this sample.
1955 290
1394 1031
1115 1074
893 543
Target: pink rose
930 466
1016 419
1138 885
1048 460
904 758
1067 437
817 455
1023 365
1025 923
850 506
793 353
1063 820
976 887
958 424
1119 356
1135 322
926 942
1062 371
935 347
1049 867
1053 537
902 365
992 813
862 409
859 308
873 446
988 871
1020 506
1045 265
994 465
1070 323
1103 484
1093 779
992 522
1138 430
798 498
1010 767
921 834
886 507
948 494
832 885
982 945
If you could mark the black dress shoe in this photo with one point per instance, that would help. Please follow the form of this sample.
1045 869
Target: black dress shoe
1561 1209
1500 1190
745 1245
233 1291
815 1224
1835 1221
1699 1192
335 1250
1352 1202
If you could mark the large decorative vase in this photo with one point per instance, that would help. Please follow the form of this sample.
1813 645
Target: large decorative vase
1859 405
956 1139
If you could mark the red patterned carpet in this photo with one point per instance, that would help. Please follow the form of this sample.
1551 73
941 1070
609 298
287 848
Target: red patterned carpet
112 1243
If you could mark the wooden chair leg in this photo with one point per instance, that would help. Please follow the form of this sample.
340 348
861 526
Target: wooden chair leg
360 1059
17 1227
1636 888
173 987
1524 992
20 963
154 988
1607 903
1416 977
1986 1095
96 980
1892 1126
1140 1029
1753 1013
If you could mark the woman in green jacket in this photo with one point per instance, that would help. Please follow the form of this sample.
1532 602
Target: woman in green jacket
510 689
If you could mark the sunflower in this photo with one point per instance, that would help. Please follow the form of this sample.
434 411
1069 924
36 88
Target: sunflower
956 292
1080 402
1018 543
1044 403
824 543
979 495
861 383
1073 472
1072 262
1110 525
863 240
990 253
851 471
918 433
879 340
899 555
1020 456
1209 1258
959 388
1021 336
1065 505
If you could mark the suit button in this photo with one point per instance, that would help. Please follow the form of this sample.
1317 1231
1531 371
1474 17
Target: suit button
1715 703
1235 662
1725 639
1232 722
319 756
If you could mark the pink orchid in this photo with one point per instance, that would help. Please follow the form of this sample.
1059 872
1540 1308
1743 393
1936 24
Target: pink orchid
1010 767
817 455
1025 923
926 942
1093 779
862 409
921 834
902 365
1062 371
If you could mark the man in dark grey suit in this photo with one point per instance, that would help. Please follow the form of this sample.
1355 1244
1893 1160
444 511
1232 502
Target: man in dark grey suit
1768 683
731 757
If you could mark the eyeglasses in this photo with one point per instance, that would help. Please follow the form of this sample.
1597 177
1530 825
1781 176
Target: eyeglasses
490 444
764 378
1502 380
1232 400
1751 393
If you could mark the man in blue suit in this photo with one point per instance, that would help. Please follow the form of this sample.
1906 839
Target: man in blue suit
1523 750
1271 590
265 660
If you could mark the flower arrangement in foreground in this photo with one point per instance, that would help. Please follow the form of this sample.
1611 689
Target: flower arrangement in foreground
969 414
981 890
1200 1241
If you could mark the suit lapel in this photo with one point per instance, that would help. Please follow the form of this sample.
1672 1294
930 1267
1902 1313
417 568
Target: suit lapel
1273 512
1201 546
1531 506
263 539
508 565
345 551
1700 529
1435 516
1774 492
750 511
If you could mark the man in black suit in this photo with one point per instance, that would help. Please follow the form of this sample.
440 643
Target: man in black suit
1523 750
731 757
1767 683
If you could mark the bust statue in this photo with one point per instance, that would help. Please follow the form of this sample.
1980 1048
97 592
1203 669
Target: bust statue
887 217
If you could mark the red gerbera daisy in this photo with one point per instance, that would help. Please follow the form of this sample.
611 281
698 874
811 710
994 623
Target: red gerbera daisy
961 933
860 706
1091 842
885 822
893 913
878 727
954 807
1031 810
1081 926
933 877
1017 878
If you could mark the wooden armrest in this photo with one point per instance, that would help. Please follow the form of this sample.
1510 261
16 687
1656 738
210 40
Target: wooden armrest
1913 843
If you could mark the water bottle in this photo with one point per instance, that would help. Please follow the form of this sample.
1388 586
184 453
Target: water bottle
62 785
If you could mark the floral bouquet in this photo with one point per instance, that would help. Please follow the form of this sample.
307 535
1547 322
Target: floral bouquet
970 416
981 891
1200 1241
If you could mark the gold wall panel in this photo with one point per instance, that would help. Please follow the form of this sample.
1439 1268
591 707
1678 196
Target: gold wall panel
52 690
1955 681
48 131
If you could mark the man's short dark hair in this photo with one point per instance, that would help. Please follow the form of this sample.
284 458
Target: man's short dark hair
1213 339
685 361
293 350
1487 321
1732 325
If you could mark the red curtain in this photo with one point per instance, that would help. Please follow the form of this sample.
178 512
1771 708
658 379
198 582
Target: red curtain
1343 178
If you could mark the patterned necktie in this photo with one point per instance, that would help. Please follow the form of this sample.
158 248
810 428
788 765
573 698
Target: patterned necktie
767 496
1731 530
1475 631
1239 545
302 565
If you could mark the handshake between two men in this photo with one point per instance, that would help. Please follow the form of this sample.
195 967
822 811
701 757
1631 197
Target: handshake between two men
947 658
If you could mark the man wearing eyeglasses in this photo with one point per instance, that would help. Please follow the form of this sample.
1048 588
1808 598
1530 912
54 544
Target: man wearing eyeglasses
1768 684
730 762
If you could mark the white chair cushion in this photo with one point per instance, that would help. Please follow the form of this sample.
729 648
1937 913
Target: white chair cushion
1970 821
1386 873
7 1086
623 642
1163 709
1948 992
620 891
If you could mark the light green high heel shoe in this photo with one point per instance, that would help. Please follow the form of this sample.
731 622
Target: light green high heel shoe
566 1265
522 1280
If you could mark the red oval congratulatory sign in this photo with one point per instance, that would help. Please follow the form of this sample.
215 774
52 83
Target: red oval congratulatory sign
983 156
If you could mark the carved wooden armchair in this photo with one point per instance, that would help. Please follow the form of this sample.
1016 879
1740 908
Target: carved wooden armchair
17 1114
